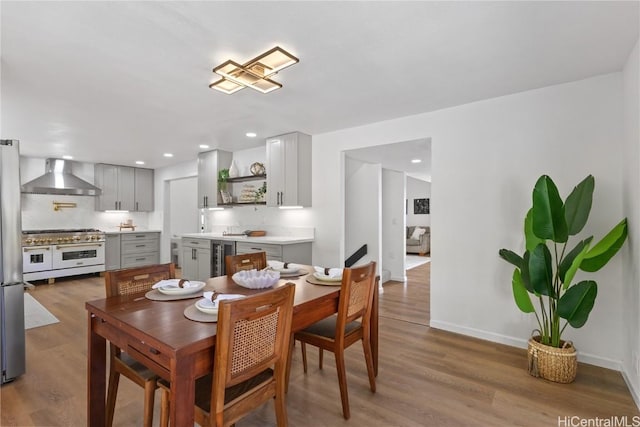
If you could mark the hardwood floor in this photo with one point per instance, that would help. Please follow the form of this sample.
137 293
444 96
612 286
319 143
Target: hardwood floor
427 377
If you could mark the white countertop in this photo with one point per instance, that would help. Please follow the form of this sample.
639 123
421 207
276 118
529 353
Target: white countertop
278 240
128 231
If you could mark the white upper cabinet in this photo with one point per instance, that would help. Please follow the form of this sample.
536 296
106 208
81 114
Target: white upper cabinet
121 191
209 163
289 170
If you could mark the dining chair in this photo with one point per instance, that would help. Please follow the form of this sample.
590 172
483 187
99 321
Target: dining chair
126 282
339 331
250 360
235 263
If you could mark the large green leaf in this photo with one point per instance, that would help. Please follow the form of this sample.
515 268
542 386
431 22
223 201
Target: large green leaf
571 262
578 205
548 211
511 257
524 272
600 254
531 240
576 304
541 271
520 294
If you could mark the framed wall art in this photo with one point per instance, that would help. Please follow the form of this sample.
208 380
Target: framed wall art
420 206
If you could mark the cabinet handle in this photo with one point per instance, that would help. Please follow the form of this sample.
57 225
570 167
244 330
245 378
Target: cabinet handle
116 205
140 259
140 246
136 205
257 249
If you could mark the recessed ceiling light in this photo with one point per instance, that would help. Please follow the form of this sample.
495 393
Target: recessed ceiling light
204 146
416 161
168 155
67 157
139 162
251 134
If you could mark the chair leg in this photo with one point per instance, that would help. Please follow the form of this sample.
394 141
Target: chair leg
303 347
342 380
112 391
320 356
164 408
280 406
368 357
149 397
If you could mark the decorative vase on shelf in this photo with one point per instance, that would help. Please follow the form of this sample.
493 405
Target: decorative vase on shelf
233 170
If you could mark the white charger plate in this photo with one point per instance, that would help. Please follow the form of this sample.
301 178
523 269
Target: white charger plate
194 286
325 278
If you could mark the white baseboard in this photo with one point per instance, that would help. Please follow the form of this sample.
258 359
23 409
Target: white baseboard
590 359
399 278
635 394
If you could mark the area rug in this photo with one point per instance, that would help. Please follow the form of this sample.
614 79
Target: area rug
35 315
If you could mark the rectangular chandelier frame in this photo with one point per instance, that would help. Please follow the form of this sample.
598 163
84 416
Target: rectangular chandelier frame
254 73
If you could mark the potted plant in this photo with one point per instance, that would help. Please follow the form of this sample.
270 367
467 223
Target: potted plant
547 270
223 177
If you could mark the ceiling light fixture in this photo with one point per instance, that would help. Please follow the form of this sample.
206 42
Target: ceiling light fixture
254 74
416 161
67 157
168 155
251 134
139 162
204 146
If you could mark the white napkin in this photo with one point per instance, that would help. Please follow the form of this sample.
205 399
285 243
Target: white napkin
279 265
332 273
207 297
173 283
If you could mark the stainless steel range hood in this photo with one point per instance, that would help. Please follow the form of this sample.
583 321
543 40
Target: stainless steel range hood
59 179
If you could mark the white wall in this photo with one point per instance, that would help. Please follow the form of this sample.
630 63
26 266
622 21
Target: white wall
393 224
362 209
631 251
38 213
486 158
417 189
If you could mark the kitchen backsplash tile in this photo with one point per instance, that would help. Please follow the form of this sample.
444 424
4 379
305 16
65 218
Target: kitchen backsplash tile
38 213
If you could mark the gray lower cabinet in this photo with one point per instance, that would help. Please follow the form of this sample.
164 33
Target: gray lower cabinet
129 250
196 259
299 253
112 252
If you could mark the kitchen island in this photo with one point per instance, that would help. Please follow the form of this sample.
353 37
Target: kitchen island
203 253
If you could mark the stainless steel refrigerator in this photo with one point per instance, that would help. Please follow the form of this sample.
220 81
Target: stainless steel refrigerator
12 342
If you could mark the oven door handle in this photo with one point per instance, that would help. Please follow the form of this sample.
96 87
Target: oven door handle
40 248
79 245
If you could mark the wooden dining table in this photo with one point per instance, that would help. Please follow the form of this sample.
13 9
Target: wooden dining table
158 335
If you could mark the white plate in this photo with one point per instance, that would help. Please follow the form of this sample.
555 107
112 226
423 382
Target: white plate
194 286
326 278
206 306
286 270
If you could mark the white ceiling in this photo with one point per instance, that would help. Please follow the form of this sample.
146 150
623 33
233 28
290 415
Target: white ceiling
123 81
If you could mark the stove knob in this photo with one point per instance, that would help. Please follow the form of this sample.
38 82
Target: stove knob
49 240
76 238
28 241
59 240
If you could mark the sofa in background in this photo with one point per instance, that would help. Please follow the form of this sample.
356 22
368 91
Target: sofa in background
421 245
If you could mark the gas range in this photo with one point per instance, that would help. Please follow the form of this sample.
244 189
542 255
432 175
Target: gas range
61 236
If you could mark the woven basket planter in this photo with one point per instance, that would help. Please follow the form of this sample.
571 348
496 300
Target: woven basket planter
554 364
